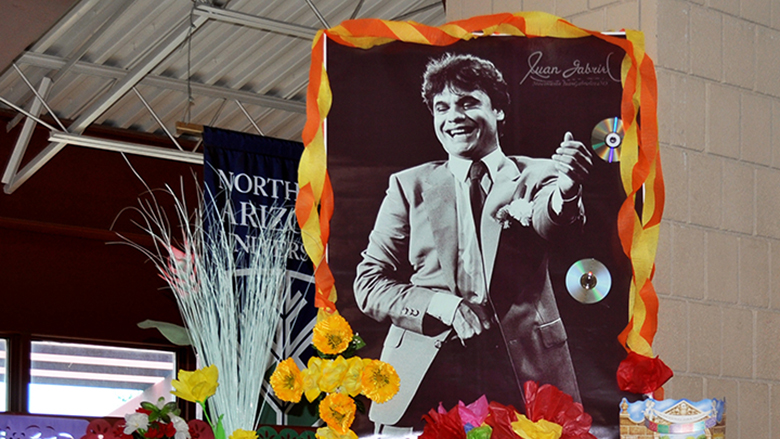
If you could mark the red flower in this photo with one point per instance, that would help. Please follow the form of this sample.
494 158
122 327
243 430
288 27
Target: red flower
200 429
501 418
640 374
443 424
549 403
143 410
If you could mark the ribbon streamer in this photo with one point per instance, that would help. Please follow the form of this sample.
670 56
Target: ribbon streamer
640 164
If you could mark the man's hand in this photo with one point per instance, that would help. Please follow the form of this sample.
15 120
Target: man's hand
573 161
469 321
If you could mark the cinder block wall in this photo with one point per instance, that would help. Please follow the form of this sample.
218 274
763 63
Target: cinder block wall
718 263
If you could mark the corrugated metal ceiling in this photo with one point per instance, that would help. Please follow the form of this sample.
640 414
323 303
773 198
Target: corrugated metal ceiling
238 53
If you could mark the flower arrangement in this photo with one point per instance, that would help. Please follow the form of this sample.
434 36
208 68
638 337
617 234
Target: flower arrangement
229 299
550 414
336 377
161 420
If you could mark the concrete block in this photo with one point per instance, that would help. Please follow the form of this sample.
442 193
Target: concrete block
721 388
685 386
704 189
757 11
539 5
511 6
623 16
662 281
730 7
666 104
755 131
706 338
722 267
673 35
722 130
775 134
738 197
767 208
754 272
688 262
706 43
592 20
568 8
752 411
738 346
593 4
767 61
767 345
738 52
672 339
689 104
774 274
675 170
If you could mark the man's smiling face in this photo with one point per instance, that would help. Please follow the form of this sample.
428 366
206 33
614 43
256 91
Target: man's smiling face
466 123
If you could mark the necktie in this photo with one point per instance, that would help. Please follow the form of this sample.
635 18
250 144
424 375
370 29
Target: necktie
477 193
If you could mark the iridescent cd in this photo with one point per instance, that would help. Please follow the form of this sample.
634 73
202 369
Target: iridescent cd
588 281
607 139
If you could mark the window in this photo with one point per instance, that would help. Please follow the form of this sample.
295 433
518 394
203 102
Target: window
3 375
94 380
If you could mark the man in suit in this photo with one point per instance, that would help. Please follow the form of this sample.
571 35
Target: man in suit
457 259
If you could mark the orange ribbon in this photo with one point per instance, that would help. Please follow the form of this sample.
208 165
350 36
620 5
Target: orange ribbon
640 162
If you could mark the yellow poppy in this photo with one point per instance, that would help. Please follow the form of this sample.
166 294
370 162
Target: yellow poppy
543 429
338 411
287 381
311 375
332 335
196 386
380 380
243 434
332 374
352 382
328 433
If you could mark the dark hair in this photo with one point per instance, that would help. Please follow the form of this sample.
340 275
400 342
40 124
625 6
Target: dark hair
468 73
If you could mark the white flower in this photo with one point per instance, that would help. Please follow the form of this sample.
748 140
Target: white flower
520 209
181 426
136 421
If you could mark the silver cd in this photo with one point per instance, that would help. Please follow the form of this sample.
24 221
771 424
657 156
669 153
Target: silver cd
588 281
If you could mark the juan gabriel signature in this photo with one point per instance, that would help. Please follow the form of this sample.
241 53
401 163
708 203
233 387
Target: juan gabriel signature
540 72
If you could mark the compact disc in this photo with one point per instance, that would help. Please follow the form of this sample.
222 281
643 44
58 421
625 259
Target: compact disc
607 139
588 281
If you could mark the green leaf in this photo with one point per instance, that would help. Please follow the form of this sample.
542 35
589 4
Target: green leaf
219 432
176 334
146 405
357 342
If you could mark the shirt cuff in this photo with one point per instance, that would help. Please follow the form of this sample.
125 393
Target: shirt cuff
443 307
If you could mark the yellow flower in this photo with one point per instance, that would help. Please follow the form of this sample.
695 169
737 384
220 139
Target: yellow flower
243 434
544 429
287 381
338 411
311 375
332 335
352 383
332 373
196 386
328 433
380 380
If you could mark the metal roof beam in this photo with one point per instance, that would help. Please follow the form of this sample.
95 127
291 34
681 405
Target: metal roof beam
27 131
152 58
53 62
262 23
127 147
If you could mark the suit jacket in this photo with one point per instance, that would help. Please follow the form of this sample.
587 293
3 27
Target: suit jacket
416 229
